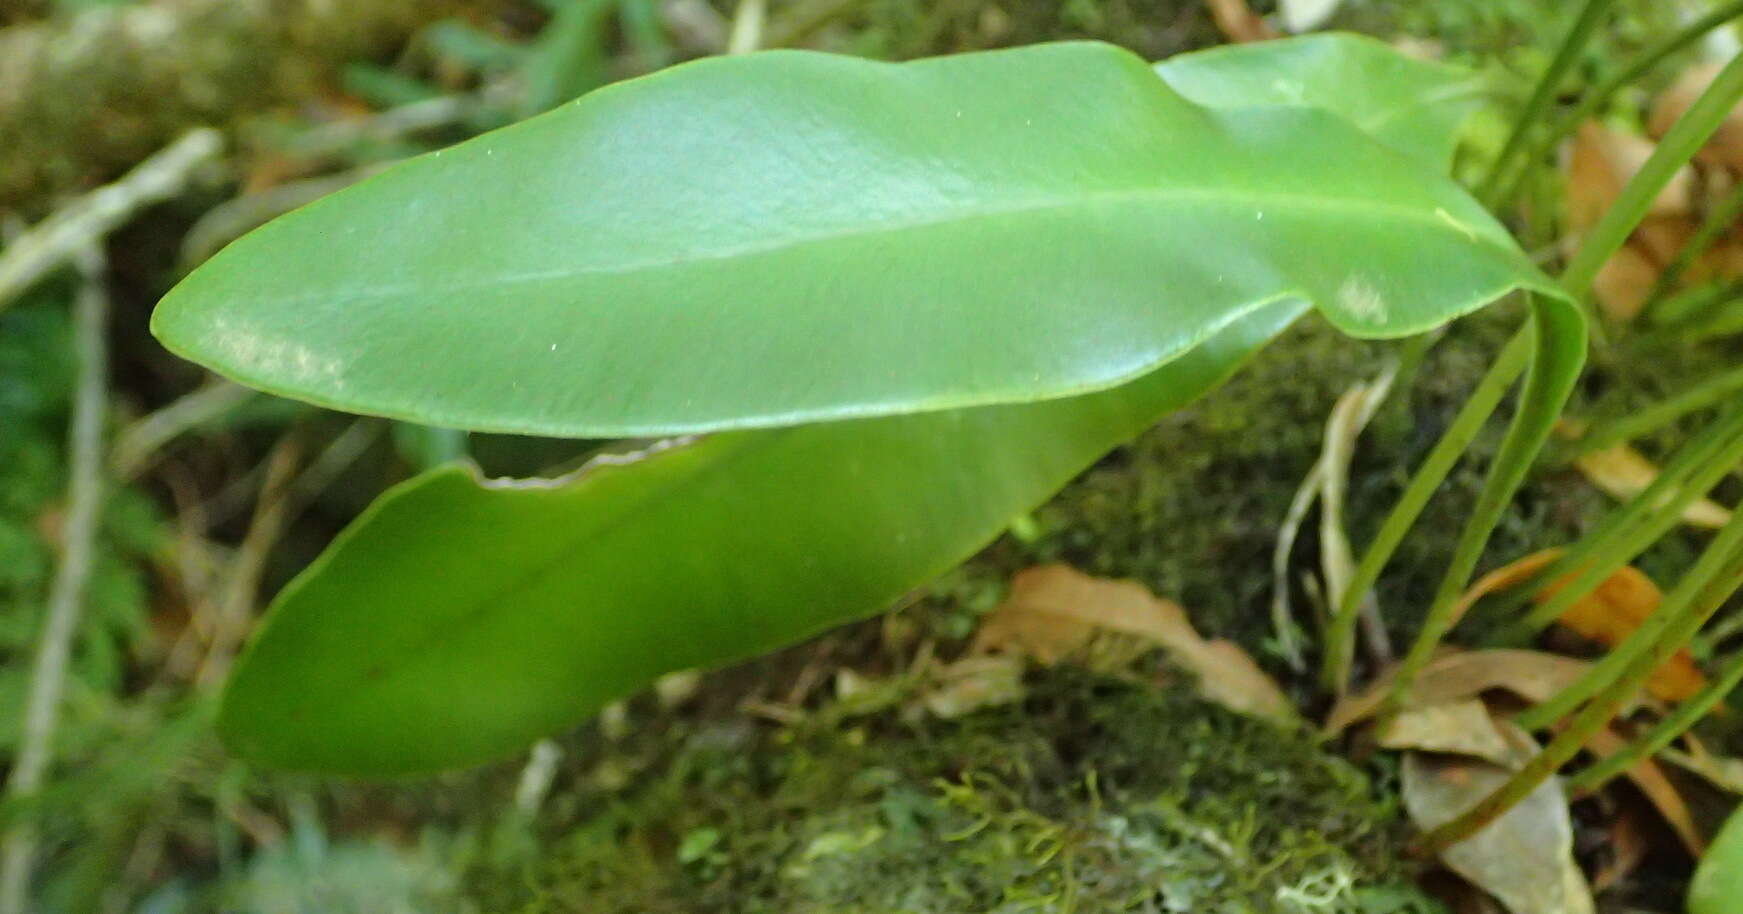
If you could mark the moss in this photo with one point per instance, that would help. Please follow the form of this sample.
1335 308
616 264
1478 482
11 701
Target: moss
1094 794
143 73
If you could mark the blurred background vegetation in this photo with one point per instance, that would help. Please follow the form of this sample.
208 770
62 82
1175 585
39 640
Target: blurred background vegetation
754 789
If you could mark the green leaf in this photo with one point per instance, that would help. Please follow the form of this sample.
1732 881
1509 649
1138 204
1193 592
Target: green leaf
790 236
1415 106
1718 884
459 620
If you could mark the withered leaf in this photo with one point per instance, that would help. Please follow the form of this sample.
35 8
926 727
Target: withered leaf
1456 727
1525 857
1054 611
1622 473
1531 675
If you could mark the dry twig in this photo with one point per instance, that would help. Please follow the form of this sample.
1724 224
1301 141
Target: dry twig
67 594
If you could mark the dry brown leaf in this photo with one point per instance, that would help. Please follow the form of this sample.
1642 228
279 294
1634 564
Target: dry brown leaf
1649 777
1237 21
1607 615
1622 473
1612 612
1722 261
1457 727
1726 146
1525 857
1600 162
1531 675
1054 611
1661 238
1625 282
1509 575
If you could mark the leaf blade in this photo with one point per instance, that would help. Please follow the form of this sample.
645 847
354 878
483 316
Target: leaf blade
791 237
1415 106
392 656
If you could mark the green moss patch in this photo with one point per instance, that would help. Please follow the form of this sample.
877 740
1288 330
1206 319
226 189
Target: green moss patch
1094 794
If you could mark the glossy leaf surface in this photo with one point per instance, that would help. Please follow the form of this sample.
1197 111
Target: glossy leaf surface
791 236
457 621
1415 106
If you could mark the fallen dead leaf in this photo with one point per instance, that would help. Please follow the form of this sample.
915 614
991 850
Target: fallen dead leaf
1607 615
1622 473
1454 676
1513 857
1237 21
1601 161
1612 612
1723 260
1456 727
1054 611
1662 238
1625 283
1509 575
1726 146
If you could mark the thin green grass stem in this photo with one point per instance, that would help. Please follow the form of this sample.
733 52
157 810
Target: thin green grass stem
1472 416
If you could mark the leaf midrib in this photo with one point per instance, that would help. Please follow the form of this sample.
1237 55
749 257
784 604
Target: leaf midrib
1435 219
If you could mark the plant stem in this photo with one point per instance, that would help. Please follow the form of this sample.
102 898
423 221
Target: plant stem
1596 97
1672 726
747 26
1693 316
1685 138
67 594
1541 94
139 441
1548 383
1340 634
1700 596
1709 392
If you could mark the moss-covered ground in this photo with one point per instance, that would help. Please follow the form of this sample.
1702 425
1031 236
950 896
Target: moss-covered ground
1092 794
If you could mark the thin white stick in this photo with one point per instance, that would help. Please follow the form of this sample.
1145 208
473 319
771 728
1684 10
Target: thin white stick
747 26
73 228
67 593
139 442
